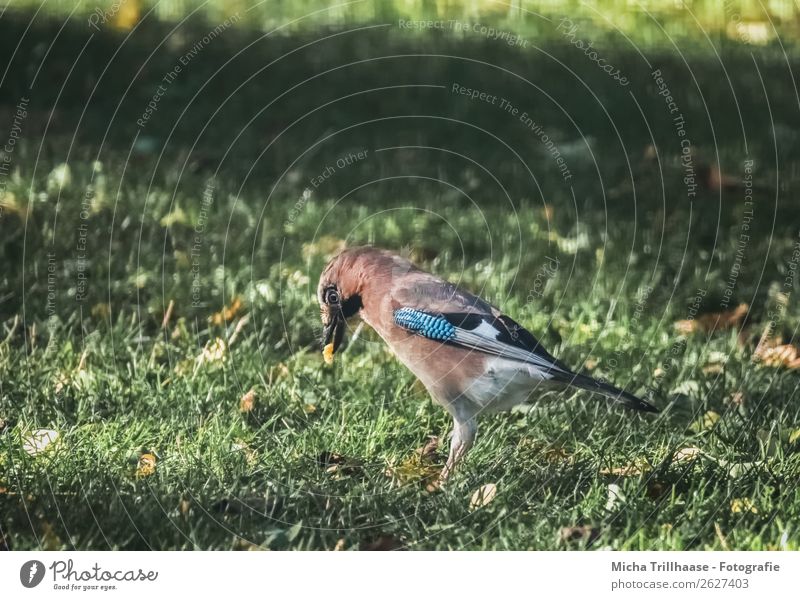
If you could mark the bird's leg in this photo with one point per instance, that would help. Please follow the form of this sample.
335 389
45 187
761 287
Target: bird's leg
464 432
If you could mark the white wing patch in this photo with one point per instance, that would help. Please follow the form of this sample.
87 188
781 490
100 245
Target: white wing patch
484 338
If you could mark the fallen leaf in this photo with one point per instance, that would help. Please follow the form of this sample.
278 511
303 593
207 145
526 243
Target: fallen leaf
213 352
483 496
636 468
242 545
336 464
250 455
228 313
184 506
704 423
742 505
247 402
794 436
711 322
578 533
39 440
784 355
737 399
687 454
327 354
146 465
615 496
423 466
430 451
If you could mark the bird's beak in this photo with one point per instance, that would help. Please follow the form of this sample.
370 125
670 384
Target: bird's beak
333 330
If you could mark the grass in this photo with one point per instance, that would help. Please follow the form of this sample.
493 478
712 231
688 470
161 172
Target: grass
154 449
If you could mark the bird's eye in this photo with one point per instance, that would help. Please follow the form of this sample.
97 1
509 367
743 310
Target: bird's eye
332 297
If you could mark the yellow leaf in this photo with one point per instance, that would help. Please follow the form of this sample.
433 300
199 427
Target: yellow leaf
636 468
146 465
228 313
214 352
710 322
784 355
327 354
248 402
687 454
421 467
483 496
706 422
742 505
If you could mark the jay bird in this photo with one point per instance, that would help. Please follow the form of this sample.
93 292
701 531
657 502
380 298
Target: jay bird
470 357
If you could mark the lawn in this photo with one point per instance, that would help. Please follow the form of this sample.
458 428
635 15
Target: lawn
161 379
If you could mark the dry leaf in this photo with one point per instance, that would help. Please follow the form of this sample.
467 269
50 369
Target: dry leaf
228 313
706 422
742 505
146 465
242 545
615 496
638 467
579 533
248 402
39 440
687 454
424 466
737 399
338 465
483 496
184 506
327 354
250 455
710 322
784 355
213 352
430 451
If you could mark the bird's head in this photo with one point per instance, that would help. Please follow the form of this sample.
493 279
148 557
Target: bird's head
339 296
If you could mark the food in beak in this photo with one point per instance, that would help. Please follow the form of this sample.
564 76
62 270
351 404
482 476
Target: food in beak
327 353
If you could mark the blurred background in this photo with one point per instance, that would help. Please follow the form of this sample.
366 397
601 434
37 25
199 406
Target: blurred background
144 106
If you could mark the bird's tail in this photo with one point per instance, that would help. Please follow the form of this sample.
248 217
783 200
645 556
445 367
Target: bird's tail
609 391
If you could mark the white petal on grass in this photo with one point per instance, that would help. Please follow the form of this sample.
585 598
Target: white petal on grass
39 440
482 496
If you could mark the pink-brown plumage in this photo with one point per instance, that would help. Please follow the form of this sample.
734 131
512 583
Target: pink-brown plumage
462 374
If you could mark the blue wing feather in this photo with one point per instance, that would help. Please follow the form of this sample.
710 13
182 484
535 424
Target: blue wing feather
499 336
